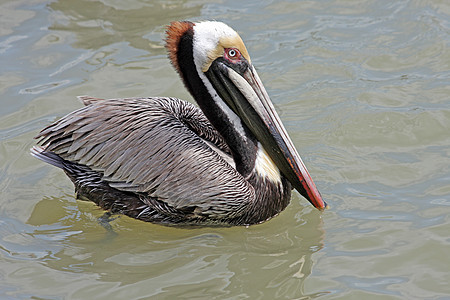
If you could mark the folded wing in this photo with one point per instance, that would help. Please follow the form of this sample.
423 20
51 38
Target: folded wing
164 148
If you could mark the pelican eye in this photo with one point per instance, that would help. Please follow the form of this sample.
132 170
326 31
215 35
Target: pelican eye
232 54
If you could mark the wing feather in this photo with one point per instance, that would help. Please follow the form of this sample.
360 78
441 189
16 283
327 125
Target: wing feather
157 146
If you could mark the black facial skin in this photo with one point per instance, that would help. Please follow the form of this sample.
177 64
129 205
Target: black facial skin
261 130
243 148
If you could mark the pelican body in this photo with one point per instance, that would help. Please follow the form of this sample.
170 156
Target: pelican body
229 161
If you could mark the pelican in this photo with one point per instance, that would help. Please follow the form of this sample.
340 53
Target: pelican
227 162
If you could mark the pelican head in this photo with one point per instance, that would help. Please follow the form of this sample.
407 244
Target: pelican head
217 70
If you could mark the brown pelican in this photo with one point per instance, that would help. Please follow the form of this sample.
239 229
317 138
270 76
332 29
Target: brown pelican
164 160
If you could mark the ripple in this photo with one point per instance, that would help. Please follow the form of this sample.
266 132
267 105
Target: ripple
41 88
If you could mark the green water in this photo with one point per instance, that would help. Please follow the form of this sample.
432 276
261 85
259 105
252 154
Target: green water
363 88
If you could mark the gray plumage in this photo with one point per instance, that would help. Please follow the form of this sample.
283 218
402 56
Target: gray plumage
164 160
158 160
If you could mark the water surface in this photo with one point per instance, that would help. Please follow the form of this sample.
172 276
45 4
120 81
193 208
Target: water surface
363 87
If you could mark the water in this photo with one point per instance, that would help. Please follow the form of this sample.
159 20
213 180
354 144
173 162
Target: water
363 88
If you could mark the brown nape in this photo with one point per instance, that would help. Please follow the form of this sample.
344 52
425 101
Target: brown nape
173 34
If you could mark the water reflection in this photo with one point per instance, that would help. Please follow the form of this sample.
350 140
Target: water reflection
273 258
